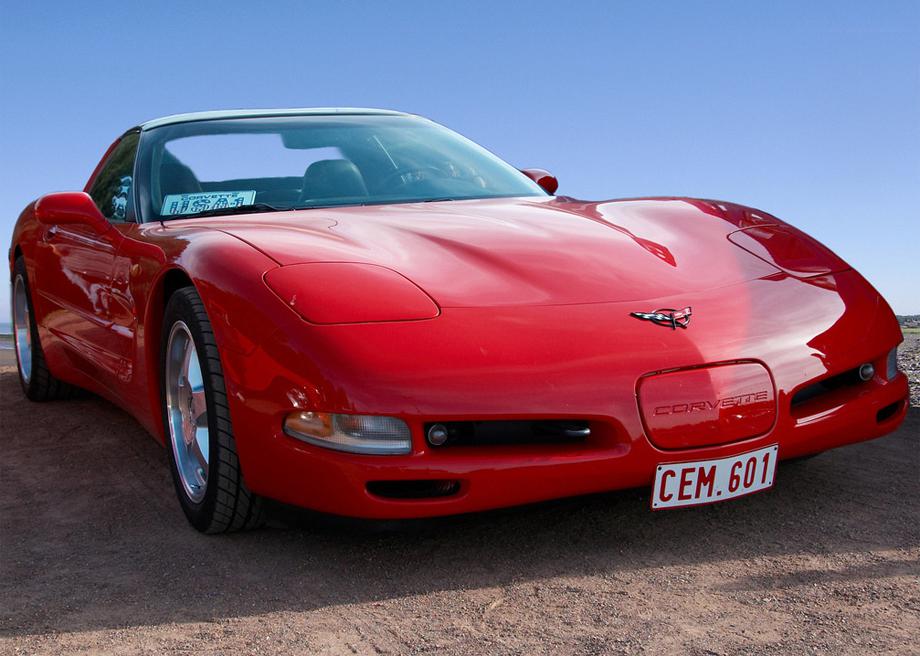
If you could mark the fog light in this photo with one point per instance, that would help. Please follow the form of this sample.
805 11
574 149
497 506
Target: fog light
893 363
866 371
369 434
437 435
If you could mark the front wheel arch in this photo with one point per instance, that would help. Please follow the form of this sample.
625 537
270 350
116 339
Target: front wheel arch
168 283
15 254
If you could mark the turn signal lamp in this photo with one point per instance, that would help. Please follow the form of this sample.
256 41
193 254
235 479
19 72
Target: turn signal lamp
367 434
892 363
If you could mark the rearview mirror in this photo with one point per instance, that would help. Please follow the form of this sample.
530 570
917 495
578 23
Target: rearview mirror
545 179
70 207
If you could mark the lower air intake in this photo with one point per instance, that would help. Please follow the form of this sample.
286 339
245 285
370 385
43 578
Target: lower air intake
493 433
418 489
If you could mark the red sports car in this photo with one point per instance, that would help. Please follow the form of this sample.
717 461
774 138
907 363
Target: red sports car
363 313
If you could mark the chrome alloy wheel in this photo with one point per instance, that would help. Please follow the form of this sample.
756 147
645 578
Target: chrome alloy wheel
187 411
22 329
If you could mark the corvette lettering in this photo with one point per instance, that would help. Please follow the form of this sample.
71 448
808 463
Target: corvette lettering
703 406
667 317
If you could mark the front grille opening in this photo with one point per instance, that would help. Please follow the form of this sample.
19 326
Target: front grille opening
417 489
495 433
846 379
888 411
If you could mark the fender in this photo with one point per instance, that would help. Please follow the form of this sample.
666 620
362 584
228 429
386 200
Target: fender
163 262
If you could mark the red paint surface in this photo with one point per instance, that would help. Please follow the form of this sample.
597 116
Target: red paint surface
706 406
535 298
544 178
349 292
789 249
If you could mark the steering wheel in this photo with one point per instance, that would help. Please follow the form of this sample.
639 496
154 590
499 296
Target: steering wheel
417 173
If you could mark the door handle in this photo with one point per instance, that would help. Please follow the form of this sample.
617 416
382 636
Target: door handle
51 232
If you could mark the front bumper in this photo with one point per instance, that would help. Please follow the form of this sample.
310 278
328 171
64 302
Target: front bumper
492 477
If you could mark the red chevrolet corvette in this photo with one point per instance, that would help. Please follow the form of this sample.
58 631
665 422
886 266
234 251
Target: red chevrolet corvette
363 313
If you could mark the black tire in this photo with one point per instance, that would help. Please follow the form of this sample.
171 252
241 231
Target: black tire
227 504
41 384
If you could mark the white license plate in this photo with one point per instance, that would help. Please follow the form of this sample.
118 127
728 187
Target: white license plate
707 481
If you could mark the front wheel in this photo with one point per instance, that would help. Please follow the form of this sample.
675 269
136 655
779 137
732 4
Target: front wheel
202 450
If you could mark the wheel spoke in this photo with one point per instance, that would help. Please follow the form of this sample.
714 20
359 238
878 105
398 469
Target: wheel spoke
188 411
187 355
199 409
193 375
188 429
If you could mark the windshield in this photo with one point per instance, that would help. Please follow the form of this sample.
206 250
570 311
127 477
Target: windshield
229 166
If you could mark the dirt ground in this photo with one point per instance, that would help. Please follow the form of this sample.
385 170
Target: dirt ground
96 557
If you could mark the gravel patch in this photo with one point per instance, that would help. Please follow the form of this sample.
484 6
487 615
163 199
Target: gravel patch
909 363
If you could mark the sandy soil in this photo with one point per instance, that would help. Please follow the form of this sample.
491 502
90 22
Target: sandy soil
95 557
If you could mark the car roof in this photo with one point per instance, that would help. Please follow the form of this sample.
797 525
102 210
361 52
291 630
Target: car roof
253 113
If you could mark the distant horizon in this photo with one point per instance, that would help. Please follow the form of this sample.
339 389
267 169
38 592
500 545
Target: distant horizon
806 111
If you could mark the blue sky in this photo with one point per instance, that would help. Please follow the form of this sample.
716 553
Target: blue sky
810 111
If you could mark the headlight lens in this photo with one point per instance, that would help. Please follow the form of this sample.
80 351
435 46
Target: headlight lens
893 363
368 434
788 249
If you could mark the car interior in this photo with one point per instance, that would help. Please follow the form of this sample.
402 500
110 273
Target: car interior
323 180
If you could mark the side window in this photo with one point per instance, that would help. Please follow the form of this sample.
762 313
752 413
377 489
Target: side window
113 188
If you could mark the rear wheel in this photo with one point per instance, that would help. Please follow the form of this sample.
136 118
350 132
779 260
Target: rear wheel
202 450
37 382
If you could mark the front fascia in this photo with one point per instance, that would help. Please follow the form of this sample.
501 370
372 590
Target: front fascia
539 362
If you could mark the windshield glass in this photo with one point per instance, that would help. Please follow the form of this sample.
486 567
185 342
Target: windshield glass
263 164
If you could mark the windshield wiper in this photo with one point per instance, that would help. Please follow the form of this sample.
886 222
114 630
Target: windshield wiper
255 208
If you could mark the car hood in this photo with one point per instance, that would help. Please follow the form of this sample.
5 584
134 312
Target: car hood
523 251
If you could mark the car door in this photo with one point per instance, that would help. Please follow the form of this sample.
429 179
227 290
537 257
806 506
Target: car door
75 264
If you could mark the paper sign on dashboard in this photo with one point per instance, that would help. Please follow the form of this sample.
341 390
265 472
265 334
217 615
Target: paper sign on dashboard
177 204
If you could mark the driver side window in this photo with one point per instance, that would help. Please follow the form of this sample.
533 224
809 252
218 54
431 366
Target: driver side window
113 188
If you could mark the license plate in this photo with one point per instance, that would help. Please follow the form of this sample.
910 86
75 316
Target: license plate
707 481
